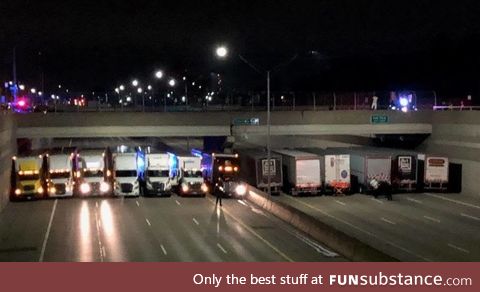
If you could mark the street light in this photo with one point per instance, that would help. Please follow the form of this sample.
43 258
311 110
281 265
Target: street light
221 52
135 82
171 82
149 87
121 87
159 74
33 90
139 90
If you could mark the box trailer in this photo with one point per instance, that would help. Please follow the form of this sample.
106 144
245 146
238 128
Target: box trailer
436 173
301 172
255 169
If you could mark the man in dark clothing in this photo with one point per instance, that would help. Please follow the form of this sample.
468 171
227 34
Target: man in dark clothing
218 193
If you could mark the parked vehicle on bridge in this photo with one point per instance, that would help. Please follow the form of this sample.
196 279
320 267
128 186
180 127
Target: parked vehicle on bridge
126 173
161 173
28 177
302 172
190 179
60 175
254 169
92 175
221 172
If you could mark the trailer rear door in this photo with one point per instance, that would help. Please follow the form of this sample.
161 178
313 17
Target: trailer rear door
308 173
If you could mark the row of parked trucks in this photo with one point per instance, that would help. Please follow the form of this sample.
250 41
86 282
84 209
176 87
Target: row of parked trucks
139 172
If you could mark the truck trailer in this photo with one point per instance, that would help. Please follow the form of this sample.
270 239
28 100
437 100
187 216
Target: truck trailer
28 177
126 174
436 173
161 173
190 177
92 174
255 169
301 171
60 175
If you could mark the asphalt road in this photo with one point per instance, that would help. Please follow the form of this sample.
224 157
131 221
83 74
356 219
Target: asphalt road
150 229
412 227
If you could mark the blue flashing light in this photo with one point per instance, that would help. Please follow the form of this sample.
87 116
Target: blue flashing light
404 101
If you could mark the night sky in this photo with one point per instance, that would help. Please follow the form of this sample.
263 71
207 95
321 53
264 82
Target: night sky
358 44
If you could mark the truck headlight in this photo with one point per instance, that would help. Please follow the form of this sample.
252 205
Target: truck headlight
40 190
104 187
185 188
85 188
204 188
53 190
18 192
241 190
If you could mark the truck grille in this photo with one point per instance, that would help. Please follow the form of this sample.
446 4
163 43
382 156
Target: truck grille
28 188
157 186
95 187
126 188
60 188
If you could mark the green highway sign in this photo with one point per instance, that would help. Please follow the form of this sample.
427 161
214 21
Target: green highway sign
379 119
246 122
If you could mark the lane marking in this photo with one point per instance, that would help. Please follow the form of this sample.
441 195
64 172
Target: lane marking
257 211
432 219
315 245
377 200
458 248
138 204
163 249
96 205
221 248
195 221
414 200
470 216
453 201
340 202
242 202
148 222
362 230
287 258
47 233
388 221
104 251
100 245
178 203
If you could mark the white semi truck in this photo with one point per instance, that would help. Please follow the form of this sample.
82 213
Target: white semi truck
161 173
126 175
92 174
190 179
60 175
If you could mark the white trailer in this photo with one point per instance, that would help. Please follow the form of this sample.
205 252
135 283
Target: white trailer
436 172
60 175
92 173
370 169
161 173
125 173
302 172
190 177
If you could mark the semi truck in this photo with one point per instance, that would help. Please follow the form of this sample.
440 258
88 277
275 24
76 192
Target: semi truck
190 178
28 177
60 175
302 172
126 174
161 173
255 169
221 173
436 173
92 174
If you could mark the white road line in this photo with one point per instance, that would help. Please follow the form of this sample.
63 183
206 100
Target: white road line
432 219
104 251
458 248
242 202
163 249
388 221
178 203
414 200
453 201
470 216
195 221
377 200
148 222
96 204
47 233
221 248
138 204
340 202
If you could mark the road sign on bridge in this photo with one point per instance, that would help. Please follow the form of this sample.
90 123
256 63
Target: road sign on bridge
246 121
379 119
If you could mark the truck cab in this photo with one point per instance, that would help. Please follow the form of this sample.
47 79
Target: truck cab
28 178
60 175
190 177
92 174
126 174
161 173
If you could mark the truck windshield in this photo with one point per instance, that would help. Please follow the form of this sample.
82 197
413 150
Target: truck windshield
29 176
93 173
191 173
157 173
60 175
126 173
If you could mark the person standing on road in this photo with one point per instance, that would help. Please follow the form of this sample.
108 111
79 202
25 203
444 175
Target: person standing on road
374 102
218 193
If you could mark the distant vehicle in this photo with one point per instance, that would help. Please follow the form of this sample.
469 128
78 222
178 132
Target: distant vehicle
161 173
370 169
436 173
60 175
22 105
302 172
190 179
28 177
126 174
221 172
255 170
92 174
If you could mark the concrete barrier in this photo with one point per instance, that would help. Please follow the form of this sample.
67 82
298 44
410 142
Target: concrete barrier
344 244
7 148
